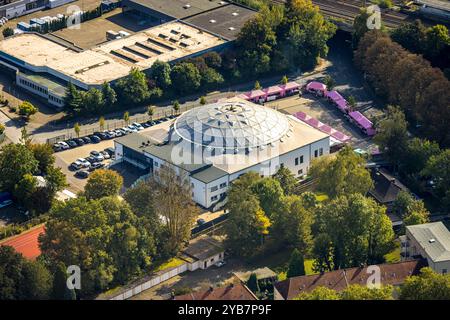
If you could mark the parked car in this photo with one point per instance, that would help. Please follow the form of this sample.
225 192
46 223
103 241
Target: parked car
87 140
84 162
138 126
57 147
118 132
95 139
97 155
132 128
101 135
220 264
76 165
64 145
79 141
105 154
126 130
151 123
201 222
82 174
110 151
110 134
96 165
72 144
91 160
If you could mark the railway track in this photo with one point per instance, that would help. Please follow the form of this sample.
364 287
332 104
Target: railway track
349 9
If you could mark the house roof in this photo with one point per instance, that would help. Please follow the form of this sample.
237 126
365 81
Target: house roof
391 274
434 238
231 292
203 247
386 187
261 273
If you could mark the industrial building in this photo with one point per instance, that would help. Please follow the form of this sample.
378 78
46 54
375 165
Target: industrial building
45 64
16 8
214 144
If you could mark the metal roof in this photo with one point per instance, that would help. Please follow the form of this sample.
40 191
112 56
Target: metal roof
434 238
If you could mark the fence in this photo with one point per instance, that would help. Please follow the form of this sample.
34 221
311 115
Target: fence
149 282
112 125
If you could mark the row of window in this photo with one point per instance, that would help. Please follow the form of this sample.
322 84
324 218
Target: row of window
318 153
54 99
33 86
215 198
221 186
298 160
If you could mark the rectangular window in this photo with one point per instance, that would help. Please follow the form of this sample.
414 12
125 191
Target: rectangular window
321 152
301 159
296 161
215 188
316 153
214 198
223 185
300 172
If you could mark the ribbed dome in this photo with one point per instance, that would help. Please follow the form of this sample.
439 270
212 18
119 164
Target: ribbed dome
232 125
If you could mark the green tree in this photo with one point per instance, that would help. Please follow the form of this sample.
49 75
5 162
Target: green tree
8 32
43 153
296 265
284 80
92 102
357 228
176 106
257 85
329 82
252 283
126 117
437 39
72 100
286 179
103 183
185 77
359 292
24 189
109 95
77 129
360 26
438 168
392 137
203 100
133 88
101 123
103 237
2 128
418 152
411 36
319 293
16 160
426 286
211 78
151 112
160 72
344 174
351 102
26 109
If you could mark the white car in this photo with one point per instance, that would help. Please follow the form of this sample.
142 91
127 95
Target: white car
118 132
84 163
64 145
97 156
126 130
132 128
138 126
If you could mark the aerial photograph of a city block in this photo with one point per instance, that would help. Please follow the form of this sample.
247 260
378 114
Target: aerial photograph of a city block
242 151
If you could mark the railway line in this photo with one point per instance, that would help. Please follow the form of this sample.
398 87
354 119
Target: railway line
349 9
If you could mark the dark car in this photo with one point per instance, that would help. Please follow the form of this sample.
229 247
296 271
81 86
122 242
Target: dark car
110 151
201 222
82 174
56 147
72 143
101 135
95 139
79 141
91 159
151 123
86 140
96 165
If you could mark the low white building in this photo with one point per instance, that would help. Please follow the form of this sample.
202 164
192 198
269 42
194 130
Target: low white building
430 241
215 144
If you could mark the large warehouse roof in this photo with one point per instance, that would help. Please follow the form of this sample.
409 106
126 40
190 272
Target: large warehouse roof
179 9
111 60
226 21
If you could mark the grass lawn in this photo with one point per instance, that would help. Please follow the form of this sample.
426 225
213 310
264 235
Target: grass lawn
394 255
172 263
320 197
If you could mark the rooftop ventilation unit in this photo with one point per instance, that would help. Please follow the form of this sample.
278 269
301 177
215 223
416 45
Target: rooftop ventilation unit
235 14
432 240
212 21
231 28
187 6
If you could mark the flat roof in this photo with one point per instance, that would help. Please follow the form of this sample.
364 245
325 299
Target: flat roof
434 238
178 8
203 247
111 60
226 21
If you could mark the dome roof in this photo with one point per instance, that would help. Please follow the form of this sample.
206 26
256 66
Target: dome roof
232 125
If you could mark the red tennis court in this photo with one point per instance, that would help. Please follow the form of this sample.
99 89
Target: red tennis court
26 243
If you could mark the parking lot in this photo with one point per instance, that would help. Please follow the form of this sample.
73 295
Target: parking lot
66 157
